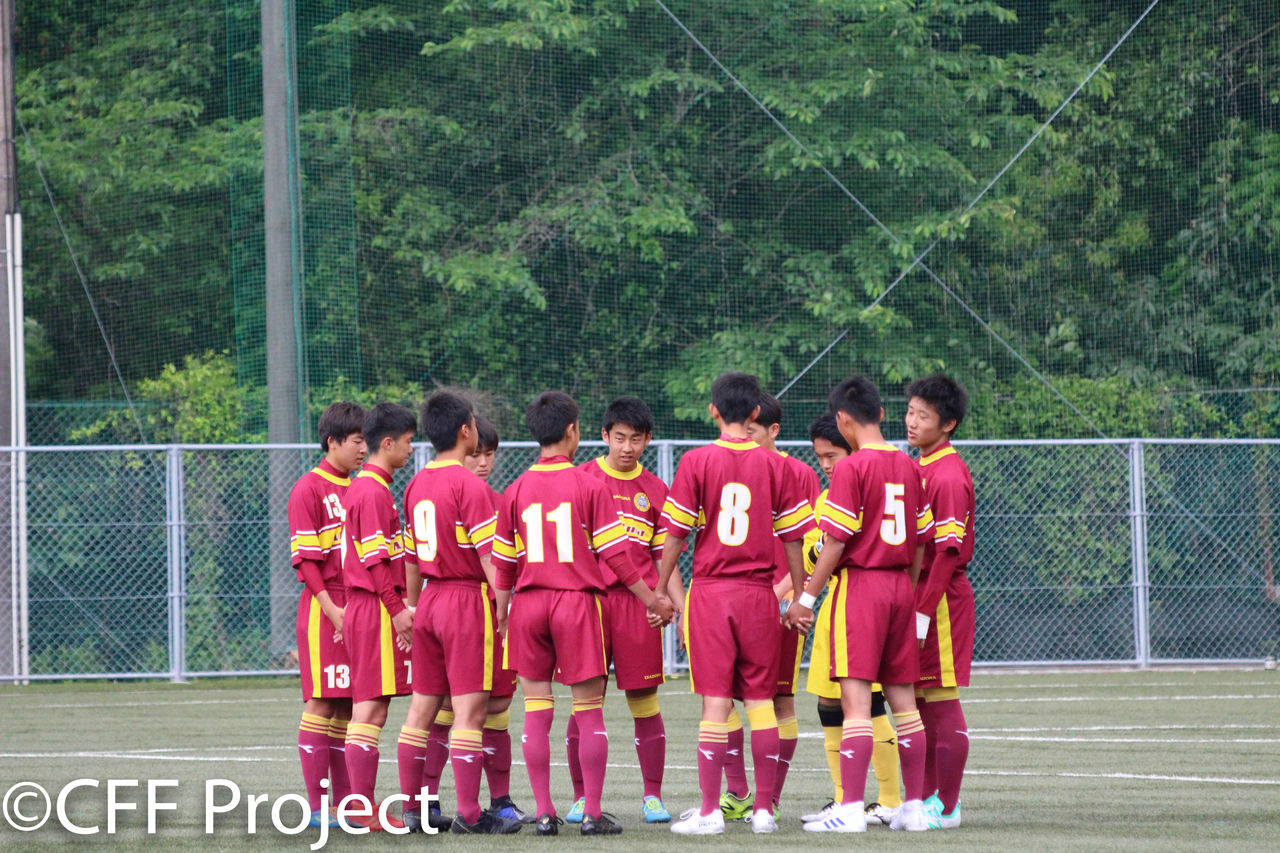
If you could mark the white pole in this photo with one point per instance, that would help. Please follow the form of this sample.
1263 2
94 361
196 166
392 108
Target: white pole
18 429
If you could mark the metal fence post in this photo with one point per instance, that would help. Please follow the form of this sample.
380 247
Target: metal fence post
1138 534
666 471
175 514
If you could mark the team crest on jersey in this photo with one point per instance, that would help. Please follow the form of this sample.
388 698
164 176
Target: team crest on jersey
641 501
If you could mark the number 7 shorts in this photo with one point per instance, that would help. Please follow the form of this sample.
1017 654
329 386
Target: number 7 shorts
378 667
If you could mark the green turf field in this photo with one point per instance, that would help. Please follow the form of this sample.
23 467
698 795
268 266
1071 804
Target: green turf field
1158 760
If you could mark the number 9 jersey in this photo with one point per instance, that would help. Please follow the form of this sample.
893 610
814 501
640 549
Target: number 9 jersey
877 507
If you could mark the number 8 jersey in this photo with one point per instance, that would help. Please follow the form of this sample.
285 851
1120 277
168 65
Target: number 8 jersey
737 494
877 507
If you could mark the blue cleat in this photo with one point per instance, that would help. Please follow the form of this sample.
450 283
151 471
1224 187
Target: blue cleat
575 811
319 818
653 811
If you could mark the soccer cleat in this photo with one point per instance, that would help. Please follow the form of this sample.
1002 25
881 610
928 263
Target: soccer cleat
547 824
933 804
319 818
734 807
844 817
602 824
488 824
693 822
945 820
763 821
576 810
653 811
412 820
821 814
877 813
504 807
910 817
436 819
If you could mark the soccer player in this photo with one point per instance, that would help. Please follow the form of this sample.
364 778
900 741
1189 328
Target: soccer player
944 598
315 526
630 643
497 735
449 536
874 522
738 496
830 447
555 527
764 431
377 626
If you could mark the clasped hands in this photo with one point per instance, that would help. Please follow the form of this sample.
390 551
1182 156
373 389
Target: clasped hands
661 611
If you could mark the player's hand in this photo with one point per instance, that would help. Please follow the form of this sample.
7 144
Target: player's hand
500 622
662 609
798 618
402 624
336 615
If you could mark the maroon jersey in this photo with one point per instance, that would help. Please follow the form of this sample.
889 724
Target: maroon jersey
737 495
638 496
876 506
555 526
948 486
315 521
811 488
371 532
449 522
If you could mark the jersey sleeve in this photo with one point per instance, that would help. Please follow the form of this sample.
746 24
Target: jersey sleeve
506 543
949 503
841 513
372 544
305 525
924 514
793 514
479 522
680 509
659 489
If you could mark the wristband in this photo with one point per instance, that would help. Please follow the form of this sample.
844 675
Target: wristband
922 626
806 600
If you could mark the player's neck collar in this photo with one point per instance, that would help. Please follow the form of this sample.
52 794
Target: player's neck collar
603 462
879 445
945 450
332 474
442 463
371 470
734 443
551 463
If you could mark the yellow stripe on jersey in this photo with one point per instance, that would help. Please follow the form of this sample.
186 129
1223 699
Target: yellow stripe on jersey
793 518
484 532
841 517
659 539
736 445
314 613
370 545
395 545
608 537
946 654
950 527
946 451
678 514
924 521
550 466
504 550
388 650
460 534
488 636
332 478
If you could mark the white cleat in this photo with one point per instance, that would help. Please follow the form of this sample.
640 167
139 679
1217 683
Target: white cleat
693 822
910 817
762 821
821 814
877 813
947 820
843 818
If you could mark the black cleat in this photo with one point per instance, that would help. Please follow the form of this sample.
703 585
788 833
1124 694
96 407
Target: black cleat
504 807
547 824
412 821
436 820
488 824
605 824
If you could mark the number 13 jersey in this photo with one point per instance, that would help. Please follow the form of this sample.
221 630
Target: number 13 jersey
876 506
737 495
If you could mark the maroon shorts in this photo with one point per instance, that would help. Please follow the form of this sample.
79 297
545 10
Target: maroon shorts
378 667
731 632
453 639
790 651
326 673
634 648
873 627
948 648
556 634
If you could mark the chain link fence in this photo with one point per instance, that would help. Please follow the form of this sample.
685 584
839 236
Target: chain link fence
145 561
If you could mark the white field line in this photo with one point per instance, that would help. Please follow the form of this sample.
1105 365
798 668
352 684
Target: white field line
1030 739
1179 727
1221 697
391 761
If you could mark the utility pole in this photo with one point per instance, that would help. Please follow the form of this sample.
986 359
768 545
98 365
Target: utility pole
282 209
14 659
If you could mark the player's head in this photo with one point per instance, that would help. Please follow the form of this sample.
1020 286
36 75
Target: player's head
449 422
764 428
935 407
552 418
627 428
388 430
480 460
855 402
341 431
828 444
735 397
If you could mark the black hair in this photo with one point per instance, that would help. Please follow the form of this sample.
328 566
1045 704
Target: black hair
735 396
339 421
858 398
387 419
549 415
486 434
946 396
770 410
824 426
443 414
629 411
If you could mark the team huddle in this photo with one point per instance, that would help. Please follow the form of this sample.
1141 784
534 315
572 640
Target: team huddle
573 569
